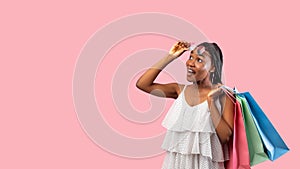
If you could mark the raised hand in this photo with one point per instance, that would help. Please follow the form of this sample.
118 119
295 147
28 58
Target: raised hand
179 48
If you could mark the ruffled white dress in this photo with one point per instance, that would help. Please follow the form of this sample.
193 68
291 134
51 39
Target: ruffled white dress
191 141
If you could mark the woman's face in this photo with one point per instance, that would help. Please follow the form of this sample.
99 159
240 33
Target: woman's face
198 65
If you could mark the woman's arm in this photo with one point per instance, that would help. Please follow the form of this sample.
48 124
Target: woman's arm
223 122
146 81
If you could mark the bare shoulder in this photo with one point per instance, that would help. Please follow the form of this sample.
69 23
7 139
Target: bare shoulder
180 88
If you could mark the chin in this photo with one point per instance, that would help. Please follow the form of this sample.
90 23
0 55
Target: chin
191 79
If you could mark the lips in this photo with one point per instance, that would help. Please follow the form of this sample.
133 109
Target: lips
190 71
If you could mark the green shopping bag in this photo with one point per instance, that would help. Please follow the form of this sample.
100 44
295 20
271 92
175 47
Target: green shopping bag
255 145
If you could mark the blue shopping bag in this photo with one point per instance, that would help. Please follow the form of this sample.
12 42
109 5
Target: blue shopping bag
274 144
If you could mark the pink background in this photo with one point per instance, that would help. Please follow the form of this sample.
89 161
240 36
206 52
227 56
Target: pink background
40 42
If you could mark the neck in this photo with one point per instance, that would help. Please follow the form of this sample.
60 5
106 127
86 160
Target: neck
203 84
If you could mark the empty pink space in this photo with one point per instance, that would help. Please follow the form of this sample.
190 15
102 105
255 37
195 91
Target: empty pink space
42 41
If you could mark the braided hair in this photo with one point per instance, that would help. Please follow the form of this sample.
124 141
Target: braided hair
217 61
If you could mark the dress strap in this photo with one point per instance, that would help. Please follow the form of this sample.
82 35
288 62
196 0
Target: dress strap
183 89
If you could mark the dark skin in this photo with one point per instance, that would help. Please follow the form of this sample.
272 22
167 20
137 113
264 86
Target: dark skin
199 68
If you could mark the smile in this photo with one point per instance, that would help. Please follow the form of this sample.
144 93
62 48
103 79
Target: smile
190 71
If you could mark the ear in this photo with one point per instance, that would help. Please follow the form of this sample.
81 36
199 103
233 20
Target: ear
212 69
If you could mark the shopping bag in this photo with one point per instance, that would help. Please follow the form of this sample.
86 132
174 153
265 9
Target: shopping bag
255 145
272 141
238 146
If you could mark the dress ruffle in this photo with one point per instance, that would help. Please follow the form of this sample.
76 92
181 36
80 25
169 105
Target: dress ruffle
183 117
191 141
204 144
191 161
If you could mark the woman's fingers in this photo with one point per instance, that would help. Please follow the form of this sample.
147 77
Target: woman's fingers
216 91
184 44
179 48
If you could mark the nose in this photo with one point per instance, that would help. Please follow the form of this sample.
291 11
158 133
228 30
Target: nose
190 62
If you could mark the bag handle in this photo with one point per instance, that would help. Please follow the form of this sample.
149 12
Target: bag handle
229 92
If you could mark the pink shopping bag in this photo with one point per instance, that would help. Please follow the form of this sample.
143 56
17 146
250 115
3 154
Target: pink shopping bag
238 146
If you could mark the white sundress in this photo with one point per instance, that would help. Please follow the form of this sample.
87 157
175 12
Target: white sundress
191 141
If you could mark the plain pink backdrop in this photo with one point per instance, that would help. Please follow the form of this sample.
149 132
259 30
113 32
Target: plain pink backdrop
40 42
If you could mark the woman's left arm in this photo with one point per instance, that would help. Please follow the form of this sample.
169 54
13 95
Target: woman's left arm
223 122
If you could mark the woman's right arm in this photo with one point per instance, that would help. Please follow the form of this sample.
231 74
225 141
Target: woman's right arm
146 81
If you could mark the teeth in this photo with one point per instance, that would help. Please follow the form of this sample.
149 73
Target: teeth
190 70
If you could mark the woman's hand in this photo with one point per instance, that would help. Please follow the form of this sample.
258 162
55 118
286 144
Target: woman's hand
179 48
215 92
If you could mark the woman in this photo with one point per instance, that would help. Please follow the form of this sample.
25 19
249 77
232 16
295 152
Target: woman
200 121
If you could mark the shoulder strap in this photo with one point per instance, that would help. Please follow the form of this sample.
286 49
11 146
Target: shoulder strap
183 89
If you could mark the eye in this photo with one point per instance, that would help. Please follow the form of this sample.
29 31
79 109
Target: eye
199 60
191 57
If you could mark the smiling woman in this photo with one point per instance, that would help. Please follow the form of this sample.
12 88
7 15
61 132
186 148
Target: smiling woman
200 121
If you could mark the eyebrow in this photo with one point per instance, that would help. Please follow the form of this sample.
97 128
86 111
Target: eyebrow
201 56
